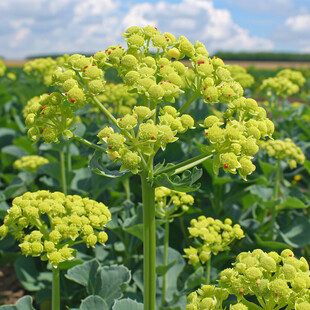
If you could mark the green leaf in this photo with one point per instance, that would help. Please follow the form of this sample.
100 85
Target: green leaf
266 168
275 245
24 303
163 269
292 203
194 280
250 305
307 166
86 275
183 183
127 304
102 165
94 303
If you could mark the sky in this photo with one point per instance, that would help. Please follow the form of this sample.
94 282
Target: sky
45 27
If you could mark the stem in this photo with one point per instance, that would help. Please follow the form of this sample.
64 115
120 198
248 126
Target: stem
63 172
56 290
149 243
69 162
126 185
165 262
208 271
88 143
187 164
274 197
189 102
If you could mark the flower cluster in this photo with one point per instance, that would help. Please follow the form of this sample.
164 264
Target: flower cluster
169 201
284 150
30 163
43 68
49 224
240 75
147 139
276 280
212 236
48 117
286 83
235 145
2 67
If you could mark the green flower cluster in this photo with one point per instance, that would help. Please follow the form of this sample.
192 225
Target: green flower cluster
286 150
169 201
30 163
2 67
43 68
48 117
240 75
277 281
117 99
211 236
49 224
147 139
235 145
286 83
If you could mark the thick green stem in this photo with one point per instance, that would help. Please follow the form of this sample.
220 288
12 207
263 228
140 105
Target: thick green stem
275 197
189 102
149 243
187 164
208 271
165 262
63 172
88 143
69 162
56 290
126 185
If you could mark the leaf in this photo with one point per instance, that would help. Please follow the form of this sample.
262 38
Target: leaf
127 304
307 166
275 245
292 203
93 302
86 275
163 269
101 164
183 183
250 305
24 303
265 193
266 168
194 280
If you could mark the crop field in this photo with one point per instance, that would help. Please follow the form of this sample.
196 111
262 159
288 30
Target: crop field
139 180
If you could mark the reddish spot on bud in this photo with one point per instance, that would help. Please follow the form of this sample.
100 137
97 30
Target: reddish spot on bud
42 130
93 55
241 292
72 100
215 57
119 47
290 255
165 37
120 119
114 48
93 65
106 50
204 88
200 62
222 86
93 208
276 294
85 67
169 81
161 82
155 28
225 166
108 136
42 113
207 133
43 107
136 117
65 94
109 52
162 66
168 139
167 40
48 94
209 63
109 147
153 138
208 98
257 283
83 70
229 95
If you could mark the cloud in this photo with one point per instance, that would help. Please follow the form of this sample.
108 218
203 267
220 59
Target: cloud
294 32
67 26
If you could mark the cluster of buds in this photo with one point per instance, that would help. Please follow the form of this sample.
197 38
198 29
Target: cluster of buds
2 67
235 145
30 163
277 281
168 202
43 68
212 236
49 224
284 150
286 83
48 117
117 99
240 75
147 139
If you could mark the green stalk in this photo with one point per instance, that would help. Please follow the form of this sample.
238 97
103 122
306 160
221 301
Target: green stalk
56 290
88 143
149 243
165 262
63 172
126 185
69 162
189 102
275 196
208 271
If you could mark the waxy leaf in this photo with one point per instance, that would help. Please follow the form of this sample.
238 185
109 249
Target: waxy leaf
94 303
25 303
127 304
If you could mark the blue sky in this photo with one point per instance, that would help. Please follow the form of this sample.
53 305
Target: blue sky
32 27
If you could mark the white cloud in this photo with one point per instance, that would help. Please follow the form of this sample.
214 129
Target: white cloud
66 26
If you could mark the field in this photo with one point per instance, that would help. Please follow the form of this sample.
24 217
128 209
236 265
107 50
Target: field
139 181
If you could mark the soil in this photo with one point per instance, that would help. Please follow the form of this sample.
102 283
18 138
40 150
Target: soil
10 288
